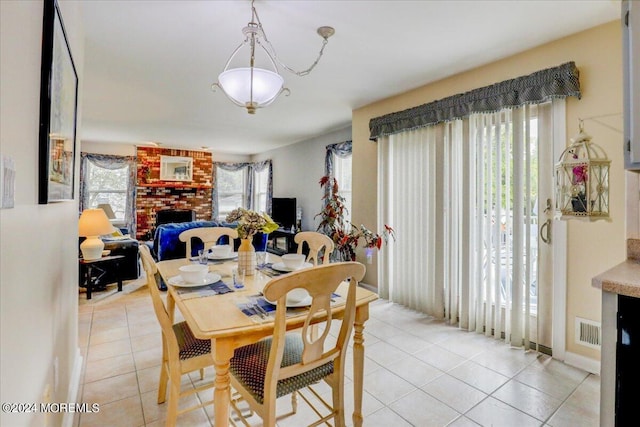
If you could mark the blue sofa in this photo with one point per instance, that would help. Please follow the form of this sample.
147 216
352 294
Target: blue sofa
167 244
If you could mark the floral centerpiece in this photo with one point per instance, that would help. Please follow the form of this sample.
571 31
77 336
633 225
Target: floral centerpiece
346 236
251 222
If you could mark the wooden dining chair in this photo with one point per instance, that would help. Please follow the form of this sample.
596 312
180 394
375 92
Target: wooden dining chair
288 362
181 351
208 235
315 241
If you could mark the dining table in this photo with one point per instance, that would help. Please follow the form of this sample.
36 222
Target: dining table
220 318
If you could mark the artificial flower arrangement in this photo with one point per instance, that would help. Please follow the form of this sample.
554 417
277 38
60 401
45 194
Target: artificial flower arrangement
346 236
251 222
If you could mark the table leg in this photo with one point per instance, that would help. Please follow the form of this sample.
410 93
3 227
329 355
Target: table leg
119 274
87 280
222 391
362 314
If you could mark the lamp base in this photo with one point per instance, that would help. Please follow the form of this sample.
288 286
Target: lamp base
92 248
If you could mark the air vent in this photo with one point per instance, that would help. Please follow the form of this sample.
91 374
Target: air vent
588 333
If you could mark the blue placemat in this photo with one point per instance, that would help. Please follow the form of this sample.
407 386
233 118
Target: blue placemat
216 288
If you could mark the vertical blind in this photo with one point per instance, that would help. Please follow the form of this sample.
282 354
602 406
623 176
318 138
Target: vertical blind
462 198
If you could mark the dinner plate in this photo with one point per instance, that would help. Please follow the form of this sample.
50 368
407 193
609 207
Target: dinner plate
302 303
208 279
232 255
279 266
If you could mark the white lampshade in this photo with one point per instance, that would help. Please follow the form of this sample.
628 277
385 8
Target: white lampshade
92 224
236 83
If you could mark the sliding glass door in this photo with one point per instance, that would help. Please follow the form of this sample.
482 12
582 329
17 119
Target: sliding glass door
470 203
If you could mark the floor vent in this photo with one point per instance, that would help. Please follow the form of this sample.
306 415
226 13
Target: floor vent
588 333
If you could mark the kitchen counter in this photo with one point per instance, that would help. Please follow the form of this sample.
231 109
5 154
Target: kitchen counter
623 279
620 284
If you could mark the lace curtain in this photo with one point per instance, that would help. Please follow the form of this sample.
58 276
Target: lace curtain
110 162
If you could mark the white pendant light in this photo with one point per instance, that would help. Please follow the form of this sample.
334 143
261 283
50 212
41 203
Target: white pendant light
253 87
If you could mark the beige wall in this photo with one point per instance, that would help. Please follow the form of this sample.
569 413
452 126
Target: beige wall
593 247
39 243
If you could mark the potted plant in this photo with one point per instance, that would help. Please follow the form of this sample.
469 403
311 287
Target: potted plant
346 236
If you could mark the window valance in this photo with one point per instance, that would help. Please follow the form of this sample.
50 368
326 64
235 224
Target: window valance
557 82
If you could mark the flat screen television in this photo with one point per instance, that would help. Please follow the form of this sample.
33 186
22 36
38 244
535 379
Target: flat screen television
283 211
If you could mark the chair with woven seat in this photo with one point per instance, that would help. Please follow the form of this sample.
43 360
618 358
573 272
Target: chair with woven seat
315 241
288 362
208 235
181 351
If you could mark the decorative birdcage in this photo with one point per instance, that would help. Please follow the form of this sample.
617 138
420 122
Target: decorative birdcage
582 180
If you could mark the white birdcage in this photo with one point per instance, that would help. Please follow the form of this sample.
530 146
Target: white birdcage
582 180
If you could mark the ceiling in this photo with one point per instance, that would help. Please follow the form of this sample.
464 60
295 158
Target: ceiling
149 65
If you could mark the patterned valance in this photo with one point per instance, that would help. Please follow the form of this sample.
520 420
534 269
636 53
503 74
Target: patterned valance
557 82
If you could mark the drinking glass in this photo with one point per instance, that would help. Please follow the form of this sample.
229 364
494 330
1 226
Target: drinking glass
202 256
261 258
238 278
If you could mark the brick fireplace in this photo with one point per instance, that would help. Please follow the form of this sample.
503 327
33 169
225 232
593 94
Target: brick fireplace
154 194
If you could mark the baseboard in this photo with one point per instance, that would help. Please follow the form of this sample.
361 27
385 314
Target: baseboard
584 363
74 386
368 287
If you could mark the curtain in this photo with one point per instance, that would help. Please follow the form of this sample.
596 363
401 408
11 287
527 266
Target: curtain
110 162
257 168
544 85
340 149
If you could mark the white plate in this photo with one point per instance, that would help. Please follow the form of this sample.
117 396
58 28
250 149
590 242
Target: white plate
208 279
232 255
279 266
303 303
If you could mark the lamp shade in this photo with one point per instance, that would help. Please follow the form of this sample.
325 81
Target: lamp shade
238 84
93 223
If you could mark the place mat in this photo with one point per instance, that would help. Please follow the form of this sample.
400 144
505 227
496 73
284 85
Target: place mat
259 310
204 291
267 270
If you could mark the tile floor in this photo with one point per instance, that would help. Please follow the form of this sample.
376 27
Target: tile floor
418 372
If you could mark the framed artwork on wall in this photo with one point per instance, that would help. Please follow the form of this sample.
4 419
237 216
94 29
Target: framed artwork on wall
58 111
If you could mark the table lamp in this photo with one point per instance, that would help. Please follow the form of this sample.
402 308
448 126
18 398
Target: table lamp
92 224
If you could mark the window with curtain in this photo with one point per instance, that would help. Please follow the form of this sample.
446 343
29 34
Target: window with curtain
108 186
260 190
467 245
109 180
231 190
337 164
246 185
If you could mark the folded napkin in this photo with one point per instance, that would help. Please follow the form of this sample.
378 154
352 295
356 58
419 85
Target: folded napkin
216 288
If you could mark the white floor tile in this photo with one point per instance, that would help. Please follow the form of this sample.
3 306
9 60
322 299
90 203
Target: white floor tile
422 410
418 372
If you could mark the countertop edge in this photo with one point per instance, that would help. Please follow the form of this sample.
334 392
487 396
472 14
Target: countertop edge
623 279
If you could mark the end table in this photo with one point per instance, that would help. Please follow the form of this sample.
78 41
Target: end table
88 268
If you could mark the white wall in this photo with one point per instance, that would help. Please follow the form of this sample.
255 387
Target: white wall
297 170
39 243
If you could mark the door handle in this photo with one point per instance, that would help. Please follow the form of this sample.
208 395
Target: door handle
545 232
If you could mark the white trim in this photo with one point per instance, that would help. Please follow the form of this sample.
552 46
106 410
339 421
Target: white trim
74 386
559 344
581 362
